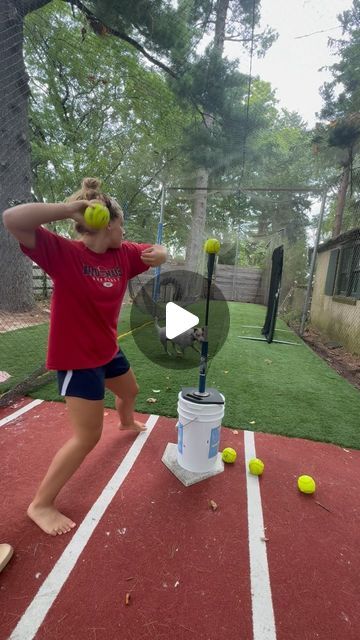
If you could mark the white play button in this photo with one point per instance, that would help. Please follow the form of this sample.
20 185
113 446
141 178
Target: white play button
178 320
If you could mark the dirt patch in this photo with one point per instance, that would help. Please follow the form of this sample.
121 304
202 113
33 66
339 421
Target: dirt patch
38 315
346 364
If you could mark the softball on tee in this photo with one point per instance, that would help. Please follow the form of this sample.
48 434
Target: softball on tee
212 245
256 466
229 455
97 216
306 484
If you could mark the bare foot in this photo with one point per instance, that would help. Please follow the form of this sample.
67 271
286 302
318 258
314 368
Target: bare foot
50 520
134 426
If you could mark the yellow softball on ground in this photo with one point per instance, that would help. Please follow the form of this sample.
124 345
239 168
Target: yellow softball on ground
256 466
229 455
306 484
97 216
212 245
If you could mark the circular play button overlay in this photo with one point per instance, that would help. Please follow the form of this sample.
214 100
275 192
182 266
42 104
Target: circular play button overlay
168 318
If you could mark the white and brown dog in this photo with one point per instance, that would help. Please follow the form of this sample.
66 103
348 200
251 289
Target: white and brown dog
183 341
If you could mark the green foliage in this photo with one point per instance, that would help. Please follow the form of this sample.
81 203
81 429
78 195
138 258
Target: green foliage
227 254
344 134
337 135
155 24
252 254
281 159
351 214
96 111
342 94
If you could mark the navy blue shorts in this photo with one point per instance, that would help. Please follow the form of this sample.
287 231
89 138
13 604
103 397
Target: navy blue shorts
90 383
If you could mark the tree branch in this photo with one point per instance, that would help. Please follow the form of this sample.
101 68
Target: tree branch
33 5
122 36
149 181
234 38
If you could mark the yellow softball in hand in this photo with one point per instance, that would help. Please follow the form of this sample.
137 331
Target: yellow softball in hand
97 216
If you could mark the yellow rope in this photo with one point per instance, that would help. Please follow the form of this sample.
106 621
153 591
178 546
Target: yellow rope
122 335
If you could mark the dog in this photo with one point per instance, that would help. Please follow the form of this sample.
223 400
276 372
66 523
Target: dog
183 341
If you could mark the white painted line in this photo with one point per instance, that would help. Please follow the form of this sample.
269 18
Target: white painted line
253 326
17 414
261 598
34 615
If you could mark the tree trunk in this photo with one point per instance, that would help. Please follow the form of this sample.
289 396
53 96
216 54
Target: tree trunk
341 201
194 252
16 292
220 24
263 226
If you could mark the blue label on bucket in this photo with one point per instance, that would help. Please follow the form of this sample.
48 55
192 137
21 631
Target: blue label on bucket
214 442
180 437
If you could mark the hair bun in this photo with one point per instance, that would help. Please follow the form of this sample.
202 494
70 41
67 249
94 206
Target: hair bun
91 184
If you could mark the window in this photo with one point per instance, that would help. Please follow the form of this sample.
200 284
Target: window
348 272
344 271
331 272
355 282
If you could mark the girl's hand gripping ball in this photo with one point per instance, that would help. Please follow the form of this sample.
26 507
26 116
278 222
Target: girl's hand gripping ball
306 484
97 216
229 455
256 466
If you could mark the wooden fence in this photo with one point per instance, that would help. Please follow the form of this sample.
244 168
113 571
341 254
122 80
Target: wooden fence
242 284
42 284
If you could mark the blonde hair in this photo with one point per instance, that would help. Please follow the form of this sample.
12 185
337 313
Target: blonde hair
91 190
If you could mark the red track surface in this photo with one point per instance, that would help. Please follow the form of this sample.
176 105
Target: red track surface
185 566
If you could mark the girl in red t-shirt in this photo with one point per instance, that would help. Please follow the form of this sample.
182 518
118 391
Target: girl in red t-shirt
90 276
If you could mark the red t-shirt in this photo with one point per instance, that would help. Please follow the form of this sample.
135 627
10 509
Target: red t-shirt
88 290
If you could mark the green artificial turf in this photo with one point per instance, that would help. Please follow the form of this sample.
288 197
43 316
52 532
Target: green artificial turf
274 388
22 351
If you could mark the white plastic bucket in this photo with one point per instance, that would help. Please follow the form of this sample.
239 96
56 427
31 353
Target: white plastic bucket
198 434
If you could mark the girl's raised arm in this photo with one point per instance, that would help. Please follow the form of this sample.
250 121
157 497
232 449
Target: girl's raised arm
23 219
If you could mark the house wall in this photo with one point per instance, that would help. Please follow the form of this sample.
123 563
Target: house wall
338 321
